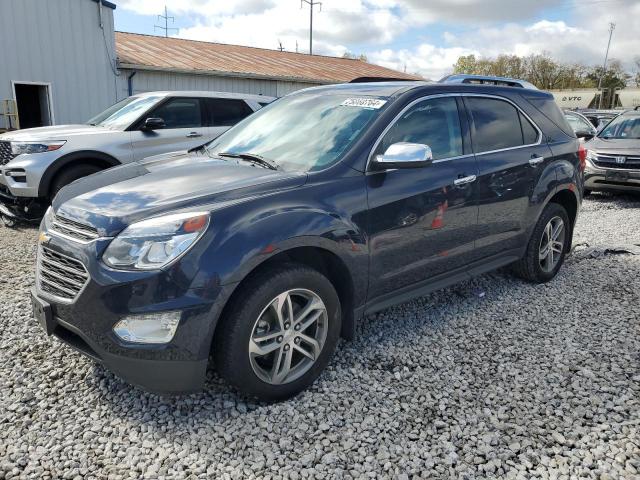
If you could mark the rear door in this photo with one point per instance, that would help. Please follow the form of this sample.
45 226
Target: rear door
511 153
185 127
225 113
422 220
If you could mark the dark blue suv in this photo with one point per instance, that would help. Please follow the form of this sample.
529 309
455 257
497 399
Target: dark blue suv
260 249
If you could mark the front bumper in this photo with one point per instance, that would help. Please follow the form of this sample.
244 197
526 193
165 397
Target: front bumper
86 323
611 179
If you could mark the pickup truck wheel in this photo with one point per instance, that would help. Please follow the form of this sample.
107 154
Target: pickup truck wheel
547 247
71 174
280 333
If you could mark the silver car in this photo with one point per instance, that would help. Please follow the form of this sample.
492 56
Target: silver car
36 163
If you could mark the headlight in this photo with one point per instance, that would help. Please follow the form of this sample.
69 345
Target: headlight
154 243
592 156
18 148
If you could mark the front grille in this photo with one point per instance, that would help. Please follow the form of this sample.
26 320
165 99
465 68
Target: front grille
59 275
611 161
76 231
5 153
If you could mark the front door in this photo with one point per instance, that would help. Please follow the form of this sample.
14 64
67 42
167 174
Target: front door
184 119
511 155
422 220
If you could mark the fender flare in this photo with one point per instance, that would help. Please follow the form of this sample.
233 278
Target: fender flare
65 160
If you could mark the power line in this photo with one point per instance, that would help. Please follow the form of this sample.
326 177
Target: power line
166 27
311 3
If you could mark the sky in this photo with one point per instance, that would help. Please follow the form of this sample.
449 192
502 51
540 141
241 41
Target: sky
419 36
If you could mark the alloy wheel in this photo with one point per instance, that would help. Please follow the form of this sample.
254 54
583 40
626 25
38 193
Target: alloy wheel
552 244
288 336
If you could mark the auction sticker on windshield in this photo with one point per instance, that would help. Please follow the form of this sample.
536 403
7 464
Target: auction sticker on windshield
374 103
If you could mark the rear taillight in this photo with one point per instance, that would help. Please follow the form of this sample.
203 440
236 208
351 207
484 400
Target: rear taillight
582 154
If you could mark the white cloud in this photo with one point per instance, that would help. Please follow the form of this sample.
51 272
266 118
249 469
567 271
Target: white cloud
483 27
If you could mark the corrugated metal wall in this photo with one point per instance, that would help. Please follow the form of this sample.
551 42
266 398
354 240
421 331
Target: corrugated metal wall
59 42
148 81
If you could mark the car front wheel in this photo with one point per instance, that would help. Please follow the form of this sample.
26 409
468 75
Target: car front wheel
279 333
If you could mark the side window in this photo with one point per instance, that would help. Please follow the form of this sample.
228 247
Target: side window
432 122
226 112
529 132
180 113
496 124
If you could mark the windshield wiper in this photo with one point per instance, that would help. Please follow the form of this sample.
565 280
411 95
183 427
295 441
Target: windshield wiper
251 157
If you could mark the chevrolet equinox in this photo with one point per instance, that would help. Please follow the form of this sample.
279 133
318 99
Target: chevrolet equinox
260 250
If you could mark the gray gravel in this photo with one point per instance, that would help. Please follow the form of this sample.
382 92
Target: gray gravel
493 378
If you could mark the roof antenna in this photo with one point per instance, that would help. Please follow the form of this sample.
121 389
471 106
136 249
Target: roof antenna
166 27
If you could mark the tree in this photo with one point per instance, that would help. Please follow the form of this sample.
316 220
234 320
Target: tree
636 78
362 57
545 72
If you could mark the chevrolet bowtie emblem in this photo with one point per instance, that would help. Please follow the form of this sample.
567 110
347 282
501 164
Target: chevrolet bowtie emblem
43 238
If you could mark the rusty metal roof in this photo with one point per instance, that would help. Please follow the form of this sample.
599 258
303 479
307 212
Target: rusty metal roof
175 54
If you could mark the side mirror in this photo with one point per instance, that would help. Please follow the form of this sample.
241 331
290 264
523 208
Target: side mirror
404 155
153 124
587 135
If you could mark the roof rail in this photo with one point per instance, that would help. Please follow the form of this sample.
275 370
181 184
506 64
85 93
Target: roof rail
488 80
637 108
381 79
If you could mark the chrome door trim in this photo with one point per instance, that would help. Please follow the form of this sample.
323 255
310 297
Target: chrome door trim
535 161
444 95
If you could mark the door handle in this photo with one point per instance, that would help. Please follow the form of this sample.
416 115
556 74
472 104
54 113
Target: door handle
464 180
535 161
194 135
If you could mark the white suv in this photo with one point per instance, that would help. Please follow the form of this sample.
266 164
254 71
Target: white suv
36 163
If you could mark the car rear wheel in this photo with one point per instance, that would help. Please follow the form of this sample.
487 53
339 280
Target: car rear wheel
547 247
280 332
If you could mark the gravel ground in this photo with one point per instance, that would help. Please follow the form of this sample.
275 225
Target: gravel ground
494 378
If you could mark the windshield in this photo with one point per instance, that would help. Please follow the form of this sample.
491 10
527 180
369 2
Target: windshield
623 126
304 132
124 113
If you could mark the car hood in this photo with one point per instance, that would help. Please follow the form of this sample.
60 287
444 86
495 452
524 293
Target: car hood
615 146
115 198
60 132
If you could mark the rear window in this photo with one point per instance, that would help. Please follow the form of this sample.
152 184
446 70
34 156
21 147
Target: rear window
497 125
549 108
226 112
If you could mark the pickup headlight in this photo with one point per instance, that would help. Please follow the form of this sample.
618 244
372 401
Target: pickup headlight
18 148
154 243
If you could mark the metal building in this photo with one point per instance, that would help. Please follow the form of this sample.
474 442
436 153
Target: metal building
156 63
57 61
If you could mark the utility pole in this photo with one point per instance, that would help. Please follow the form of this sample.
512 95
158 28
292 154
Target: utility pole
311 3
280 47
612 27
166 18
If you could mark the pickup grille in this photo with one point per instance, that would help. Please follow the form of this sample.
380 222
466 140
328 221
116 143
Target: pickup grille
611 161
5 153
74 230
60 276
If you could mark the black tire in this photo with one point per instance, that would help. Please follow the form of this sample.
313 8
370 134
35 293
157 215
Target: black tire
70 174
231 342
529 267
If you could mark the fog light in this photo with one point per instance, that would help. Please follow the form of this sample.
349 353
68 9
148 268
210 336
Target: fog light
151 328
